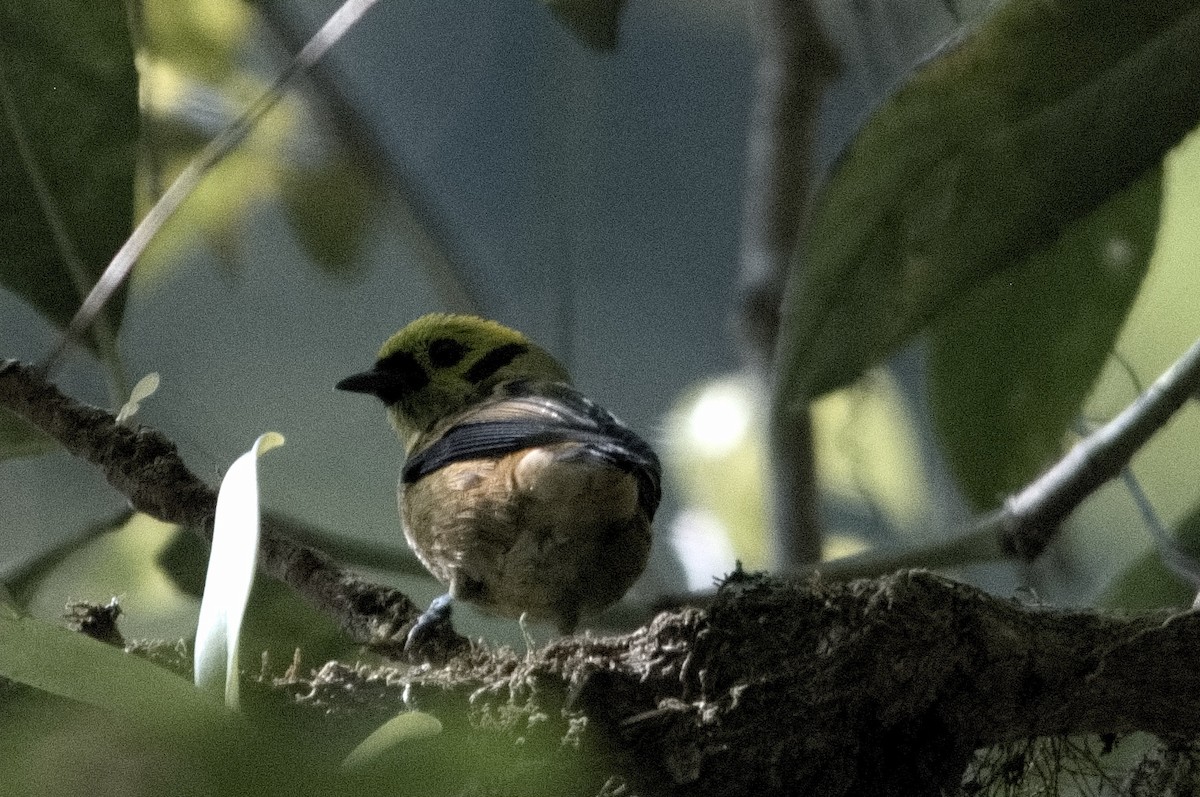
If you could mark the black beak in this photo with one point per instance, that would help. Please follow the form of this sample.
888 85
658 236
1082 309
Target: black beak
390 379
384 384
370 382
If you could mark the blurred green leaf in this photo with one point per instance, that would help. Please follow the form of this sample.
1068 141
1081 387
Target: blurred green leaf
1148 584
988 154
593 21
329 207
77 667
68 135
1013 359
56 747
24 577
201 40
20 438
184 560
277 621
393 737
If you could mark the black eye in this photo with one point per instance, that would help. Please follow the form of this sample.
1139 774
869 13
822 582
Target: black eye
397 375
445 352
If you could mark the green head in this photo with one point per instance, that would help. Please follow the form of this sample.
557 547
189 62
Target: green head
441 364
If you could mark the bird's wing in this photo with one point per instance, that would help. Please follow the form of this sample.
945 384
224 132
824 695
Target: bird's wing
525 414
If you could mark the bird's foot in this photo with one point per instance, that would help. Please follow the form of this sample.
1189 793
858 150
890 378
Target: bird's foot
433 623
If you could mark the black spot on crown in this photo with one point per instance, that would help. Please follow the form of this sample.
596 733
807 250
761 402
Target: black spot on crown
494 360
446 352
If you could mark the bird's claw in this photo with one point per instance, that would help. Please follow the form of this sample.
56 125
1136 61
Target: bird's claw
430 625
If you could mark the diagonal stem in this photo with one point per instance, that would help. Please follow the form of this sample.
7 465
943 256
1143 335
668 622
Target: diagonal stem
1028 520
214 152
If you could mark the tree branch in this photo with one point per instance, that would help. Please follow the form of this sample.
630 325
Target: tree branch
146 468
1028 521
883 686
877 687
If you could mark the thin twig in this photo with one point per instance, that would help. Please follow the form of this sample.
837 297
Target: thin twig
146 468
119 268
795 63
1170 552
1028 521
436 249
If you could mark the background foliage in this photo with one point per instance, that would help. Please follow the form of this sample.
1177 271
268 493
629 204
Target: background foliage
1001 250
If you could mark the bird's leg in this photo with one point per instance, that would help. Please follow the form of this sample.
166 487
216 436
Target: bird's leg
426 626
568 616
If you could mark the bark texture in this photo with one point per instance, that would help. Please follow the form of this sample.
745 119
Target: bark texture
874 687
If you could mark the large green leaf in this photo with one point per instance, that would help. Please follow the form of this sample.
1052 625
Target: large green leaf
68 131
987 155
77 667
1013 359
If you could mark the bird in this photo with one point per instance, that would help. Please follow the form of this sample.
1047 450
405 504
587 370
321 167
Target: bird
518 493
